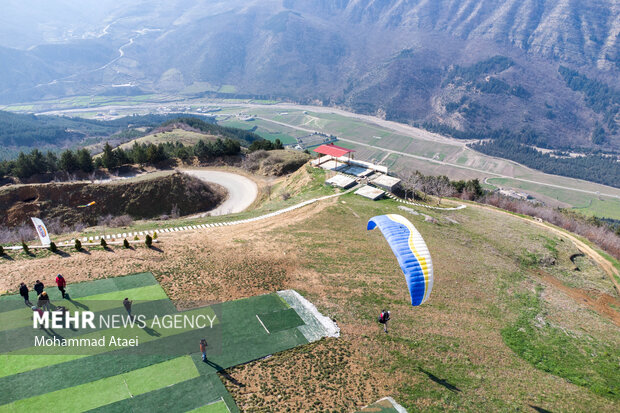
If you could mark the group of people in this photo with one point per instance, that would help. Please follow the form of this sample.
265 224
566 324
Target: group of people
43 300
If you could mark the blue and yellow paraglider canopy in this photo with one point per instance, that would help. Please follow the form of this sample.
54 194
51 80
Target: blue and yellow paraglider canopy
411 252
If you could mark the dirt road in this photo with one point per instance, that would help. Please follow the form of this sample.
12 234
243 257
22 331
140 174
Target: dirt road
242 191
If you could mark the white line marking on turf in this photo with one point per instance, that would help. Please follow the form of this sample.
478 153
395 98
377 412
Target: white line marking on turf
261 323
125 381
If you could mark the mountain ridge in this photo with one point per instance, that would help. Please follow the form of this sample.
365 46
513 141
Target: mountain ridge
395 58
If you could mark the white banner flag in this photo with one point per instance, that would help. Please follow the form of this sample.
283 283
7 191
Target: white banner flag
41 231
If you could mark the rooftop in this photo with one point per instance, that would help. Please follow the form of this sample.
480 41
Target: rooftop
333 150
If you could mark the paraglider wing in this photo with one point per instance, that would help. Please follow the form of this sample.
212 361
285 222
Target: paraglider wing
87 205
411 252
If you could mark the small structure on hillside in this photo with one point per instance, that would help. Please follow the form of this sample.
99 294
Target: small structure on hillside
341 181
333 153
370 192
511 193
389 183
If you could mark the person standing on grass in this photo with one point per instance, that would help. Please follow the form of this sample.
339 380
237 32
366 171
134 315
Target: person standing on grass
39 287
61 283
36 309
44 301
127 305
23 291
203 349
384 317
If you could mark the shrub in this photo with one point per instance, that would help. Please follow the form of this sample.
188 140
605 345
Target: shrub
1 250
135 238
125 243
25 247
78 245
148 241
53 247
115 222
154 235
103 243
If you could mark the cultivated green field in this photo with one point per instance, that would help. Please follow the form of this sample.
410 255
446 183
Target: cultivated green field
264 129
431 154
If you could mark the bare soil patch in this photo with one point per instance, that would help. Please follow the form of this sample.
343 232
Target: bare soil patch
599 302
330 375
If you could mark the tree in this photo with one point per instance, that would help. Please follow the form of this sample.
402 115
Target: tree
409 181
200 149
125 243
108 160
51 161
148 241
155 153
23 166
68 161
138 153
98 163
442 187
38 161
182 153
85 161
78 245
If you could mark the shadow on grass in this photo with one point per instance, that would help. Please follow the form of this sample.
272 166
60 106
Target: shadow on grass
76 303
52 333
224 373
442 382
83 251
151 332
7 257
62 253
540 409
155 248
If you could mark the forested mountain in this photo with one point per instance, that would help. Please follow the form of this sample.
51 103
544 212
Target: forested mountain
546 68
23 132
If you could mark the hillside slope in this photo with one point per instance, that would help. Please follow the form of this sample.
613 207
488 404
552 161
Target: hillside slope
506 328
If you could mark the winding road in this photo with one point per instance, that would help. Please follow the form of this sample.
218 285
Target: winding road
242 191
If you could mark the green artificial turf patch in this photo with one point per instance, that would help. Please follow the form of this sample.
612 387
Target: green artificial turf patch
109 390
165 371
82 290
281 320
